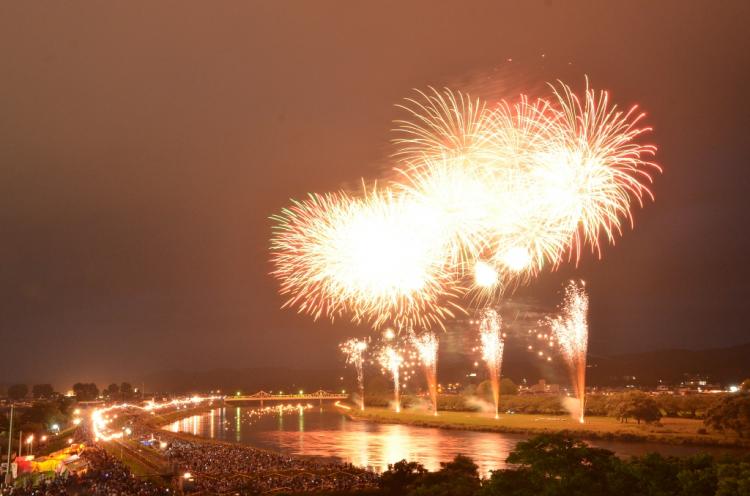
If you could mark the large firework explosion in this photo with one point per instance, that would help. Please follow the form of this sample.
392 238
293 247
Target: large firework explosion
486 196
378 257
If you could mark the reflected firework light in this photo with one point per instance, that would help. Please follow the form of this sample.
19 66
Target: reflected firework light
354 350
426 345
492 351
572 334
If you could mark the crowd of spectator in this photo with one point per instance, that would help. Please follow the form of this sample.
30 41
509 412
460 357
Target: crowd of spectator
105 475
236 468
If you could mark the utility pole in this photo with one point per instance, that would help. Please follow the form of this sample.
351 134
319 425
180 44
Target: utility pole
20 443
10 439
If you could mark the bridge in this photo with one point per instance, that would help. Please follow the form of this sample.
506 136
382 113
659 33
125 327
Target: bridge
262 396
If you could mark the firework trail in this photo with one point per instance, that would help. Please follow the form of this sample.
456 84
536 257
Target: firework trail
391 360
492 351
572 334
354 350
426 345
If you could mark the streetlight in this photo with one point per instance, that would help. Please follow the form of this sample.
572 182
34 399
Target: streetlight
10 434
30 441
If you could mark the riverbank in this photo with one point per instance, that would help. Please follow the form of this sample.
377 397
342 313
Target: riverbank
669 431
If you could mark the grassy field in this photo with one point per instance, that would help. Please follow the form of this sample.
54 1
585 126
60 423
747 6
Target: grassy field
669 430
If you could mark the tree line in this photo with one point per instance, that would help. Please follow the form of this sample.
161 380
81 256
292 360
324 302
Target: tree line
83 391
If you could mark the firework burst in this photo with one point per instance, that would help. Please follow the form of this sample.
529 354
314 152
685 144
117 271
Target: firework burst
378 258
485 198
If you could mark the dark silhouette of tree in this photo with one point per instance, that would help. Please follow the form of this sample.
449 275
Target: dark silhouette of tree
400 476
508 387
18 391
554 465
41 416
112 391
731 413
42 391
457 478
637 405
85 391
126 391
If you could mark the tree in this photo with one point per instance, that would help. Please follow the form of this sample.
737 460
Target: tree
554 465
3 422
734 478
85 391
692 404
41 416
508 387
745 386
457 478
42 391
18 391
400 476
732 412
112 391
637 405
126 391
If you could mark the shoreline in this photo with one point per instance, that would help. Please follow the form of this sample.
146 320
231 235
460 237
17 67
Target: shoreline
176 416
627 432
613 431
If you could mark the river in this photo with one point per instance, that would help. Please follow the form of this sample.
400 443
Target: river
331 434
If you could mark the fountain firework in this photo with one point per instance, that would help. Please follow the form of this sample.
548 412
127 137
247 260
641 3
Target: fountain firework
492 351
572 333
426 345
354 350
391 360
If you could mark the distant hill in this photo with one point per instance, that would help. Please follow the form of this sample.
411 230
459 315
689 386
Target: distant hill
722 365
246 380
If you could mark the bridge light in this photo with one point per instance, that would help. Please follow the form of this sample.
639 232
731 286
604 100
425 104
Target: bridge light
301 392
238 393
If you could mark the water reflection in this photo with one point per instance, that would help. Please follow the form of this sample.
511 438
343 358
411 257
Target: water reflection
330 434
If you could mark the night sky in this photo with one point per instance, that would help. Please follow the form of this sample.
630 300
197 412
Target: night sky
144 145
